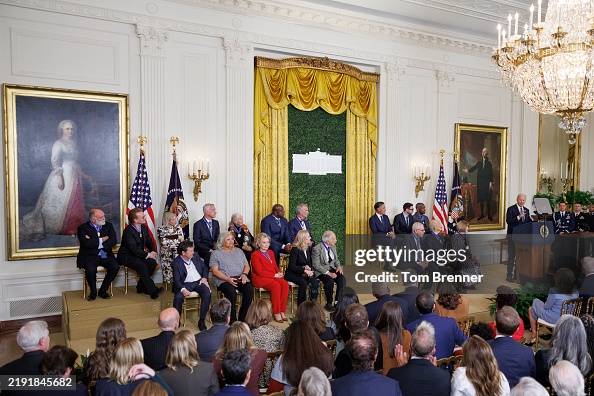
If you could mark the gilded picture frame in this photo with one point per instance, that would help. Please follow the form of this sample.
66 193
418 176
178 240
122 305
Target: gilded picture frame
65 151
482 176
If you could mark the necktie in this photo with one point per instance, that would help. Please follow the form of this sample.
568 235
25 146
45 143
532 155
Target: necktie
302 224
406 219
102 254
417 242
209 224
381 221
278 222
329 253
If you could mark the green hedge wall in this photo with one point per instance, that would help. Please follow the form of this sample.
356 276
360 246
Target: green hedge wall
325 194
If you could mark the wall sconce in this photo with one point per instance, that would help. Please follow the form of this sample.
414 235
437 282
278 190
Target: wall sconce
199 172
421 175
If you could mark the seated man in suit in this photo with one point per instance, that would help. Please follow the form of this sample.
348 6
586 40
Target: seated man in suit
420 376
403 221
155 348
138 252
420 217
300 222
277 228
516 215
381 292
413 243
432 243
33 339
327 268
379 223
447 332
514 359
210 340
206 232
587 287
97 239
190 274
363 349
236 371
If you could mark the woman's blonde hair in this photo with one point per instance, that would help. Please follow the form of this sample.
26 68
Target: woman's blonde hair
222 238
259 313
127 353
167 216
260 237
237 336
301 239
481 367
183 351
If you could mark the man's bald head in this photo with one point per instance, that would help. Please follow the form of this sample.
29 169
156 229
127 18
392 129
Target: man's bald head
169 319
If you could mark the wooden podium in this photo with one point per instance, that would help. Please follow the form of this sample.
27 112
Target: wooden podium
533 250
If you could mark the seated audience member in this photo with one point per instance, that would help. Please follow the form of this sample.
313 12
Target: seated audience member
243 237
149 388
447 332
550 311
507 296
238 336
413 243
450 303
267 275
206 232
97 238
403 221
356 322
381 292
33 338
209 341
379 222
528 387
391 329
568 343
110 332
314 383
566 379
236 367
300 269
420 217
328 269
482 330
587 286
169 235
362 379
230 270
312 313
185 374
60 361
127 371
155 348
300 222
432 243
190 275
139 253
338 317
514 359
420 376
265 336
302 350
588 322
276 226
479 374
409 295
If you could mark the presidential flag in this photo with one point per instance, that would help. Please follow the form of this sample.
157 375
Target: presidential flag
140 196
440 204
456 200
175 200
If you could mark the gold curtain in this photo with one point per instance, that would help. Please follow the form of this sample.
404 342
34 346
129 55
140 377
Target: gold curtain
309 83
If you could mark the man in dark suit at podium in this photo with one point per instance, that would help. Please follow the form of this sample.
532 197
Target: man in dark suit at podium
277 228
97 238
516 215
206 232
403 221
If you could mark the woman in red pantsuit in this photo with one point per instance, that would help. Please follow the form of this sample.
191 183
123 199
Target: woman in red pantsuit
267 275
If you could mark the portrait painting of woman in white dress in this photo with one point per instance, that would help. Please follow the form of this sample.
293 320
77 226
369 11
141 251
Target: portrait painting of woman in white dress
60 208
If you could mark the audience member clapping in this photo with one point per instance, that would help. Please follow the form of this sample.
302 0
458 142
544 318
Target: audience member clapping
394 336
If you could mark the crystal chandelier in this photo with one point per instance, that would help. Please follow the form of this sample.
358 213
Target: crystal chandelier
550 65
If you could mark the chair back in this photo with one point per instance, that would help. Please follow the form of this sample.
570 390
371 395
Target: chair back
331 344
465 323
590 306
589 383
450 363
571 307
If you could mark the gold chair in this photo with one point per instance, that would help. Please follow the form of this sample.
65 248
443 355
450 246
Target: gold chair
465 323
569 307
100 270
191 303
590 306
331 344
450 363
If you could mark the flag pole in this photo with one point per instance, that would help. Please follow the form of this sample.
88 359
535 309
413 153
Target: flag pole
142 140
174 140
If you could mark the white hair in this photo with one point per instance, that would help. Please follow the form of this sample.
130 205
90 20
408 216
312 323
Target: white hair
301 206
566 379
63 123
418 226
327 235
528 386
206 206
31 334
423 339
314 383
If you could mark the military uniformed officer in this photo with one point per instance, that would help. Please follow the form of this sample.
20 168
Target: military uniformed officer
563 219
582 219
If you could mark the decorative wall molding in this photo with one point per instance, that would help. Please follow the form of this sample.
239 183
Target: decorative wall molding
151 39
237 52
444 78
489 10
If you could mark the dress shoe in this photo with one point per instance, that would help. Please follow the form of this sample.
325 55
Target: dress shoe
201 325
104 295
92 296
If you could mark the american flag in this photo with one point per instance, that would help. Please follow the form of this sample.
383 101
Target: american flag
440 205
140 196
